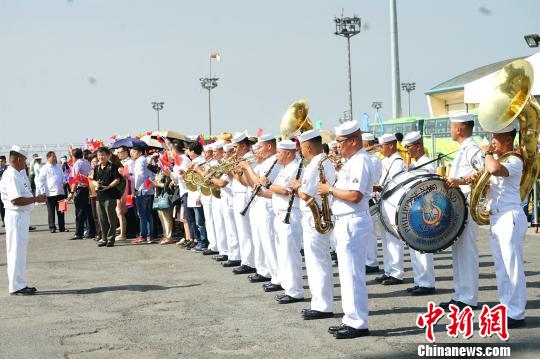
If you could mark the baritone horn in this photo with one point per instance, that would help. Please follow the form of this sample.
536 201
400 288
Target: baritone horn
295 119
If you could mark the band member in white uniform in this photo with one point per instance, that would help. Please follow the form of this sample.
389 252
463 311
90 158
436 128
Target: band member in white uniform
372 263
316 245
392 246
422 263
16 194
242 148
207 204
265 227
217 207
353 225
508 224
464 250
289 234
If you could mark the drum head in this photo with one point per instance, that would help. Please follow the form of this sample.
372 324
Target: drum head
431 217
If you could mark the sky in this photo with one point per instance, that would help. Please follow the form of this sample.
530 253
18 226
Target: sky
77 69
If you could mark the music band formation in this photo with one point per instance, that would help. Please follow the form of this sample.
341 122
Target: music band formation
268 203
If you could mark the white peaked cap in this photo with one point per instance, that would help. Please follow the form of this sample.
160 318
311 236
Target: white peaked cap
217 145
347 128
411 138
286 145
309 135
265 137
228 147
461 117
387 137
368 137
332 144
208 147
239 136
19 150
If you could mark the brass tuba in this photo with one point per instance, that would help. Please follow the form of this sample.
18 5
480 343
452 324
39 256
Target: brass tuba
510 98
295 119
321 216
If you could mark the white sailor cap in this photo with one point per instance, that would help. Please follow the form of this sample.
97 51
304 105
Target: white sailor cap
265 137
217 145
38 158
256 146
333 144
461 117
19 150
387 137
368 137
411 138
228 147
347 128
238 137
286 145
309 135
511 127
208 147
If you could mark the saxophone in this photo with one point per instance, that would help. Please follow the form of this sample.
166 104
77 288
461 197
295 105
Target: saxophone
321 216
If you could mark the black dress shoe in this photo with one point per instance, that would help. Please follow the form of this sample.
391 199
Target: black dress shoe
230 263
411 288
457 303
32 228
381 278
392 281
271 287
372 269
221 258
25 291
74 238
287 299
349 332
309 314
335 328
110 244
423 291
257 278
63 230
101 243
52 230
515 323
209 252
244 269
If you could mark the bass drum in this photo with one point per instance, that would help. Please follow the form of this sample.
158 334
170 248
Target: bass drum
417 207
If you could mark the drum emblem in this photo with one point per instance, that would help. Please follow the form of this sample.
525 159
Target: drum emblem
431 214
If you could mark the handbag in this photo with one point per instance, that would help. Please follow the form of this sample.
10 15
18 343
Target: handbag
162 202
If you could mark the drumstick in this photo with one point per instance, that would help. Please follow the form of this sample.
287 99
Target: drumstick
433 160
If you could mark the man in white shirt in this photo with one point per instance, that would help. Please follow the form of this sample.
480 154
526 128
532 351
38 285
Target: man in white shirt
18 201
316 245
353 225
392 246
144 195
464 250
50 182
287 223
208 205
422 263
507 224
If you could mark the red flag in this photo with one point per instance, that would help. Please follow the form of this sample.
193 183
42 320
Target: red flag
165 156
125 171
164 163
129 201
62 206
259 132
161 139
74 180
178 160
147 183
84 180
202 141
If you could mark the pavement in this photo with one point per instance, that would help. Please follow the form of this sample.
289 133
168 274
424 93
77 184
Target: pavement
155 301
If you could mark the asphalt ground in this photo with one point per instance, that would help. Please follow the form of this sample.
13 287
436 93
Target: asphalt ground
155 301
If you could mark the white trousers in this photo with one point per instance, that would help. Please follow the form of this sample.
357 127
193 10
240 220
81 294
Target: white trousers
206 202
219 225
506 234
17 223
465 265
423 268
244 230
268 238
318 265
351 251
392 255
256 219
233 246
371 250
289 256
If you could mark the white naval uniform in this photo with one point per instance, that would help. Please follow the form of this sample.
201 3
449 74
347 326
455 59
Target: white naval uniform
218 220
508 226
352 227
422 263
15 184
243 225
392 246
464 250
289 235
233 247
207 205
317 245
371 251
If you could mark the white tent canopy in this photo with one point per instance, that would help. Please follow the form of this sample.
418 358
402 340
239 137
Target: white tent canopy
475 90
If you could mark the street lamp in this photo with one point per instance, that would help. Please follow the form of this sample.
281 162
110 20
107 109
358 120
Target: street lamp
533 40
158 106
346 116
209 83
348 27
408 86
377 105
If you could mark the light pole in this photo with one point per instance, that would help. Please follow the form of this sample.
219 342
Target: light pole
158 106
394 55
346 116
348 27
209 83
408 86
377 105
533 40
